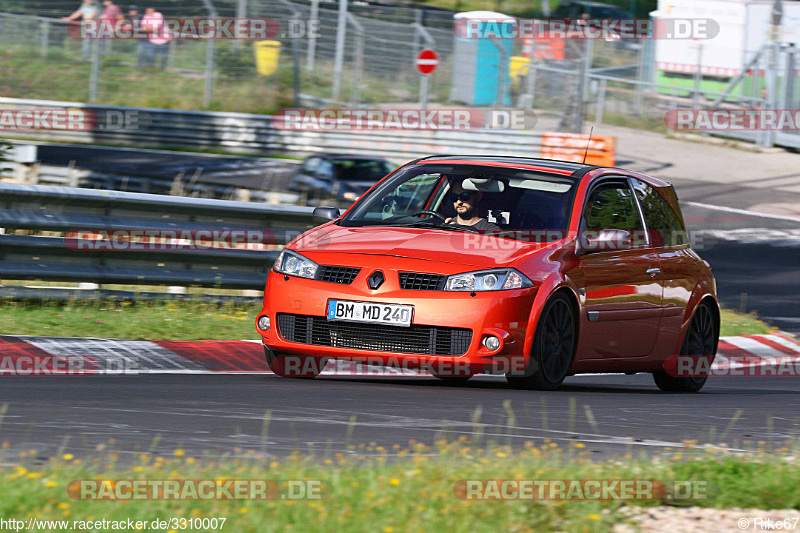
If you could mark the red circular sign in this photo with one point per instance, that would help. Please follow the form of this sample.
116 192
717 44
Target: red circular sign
427 61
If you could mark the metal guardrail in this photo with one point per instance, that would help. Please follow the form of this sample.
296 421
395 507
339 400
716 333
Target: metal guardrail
255 134
58 210
60 294
94 179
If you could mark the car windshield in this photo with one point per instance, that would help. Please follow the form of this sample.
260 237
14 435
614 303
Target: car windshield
609 12
361 169
509 199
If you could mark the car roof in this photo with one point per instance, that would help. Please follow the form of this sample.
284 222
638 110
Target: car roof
350 156
554 165
594 4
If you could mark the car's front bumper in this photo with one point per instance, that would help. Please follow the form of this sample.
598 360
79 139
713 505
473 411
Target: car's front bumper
503 314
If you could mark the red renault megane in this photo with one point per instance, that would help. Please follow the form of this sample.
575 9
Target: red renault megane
533 268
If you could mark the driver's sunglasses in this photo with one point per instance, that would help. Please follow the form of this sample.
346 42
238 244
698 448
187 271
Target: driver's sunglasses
463 196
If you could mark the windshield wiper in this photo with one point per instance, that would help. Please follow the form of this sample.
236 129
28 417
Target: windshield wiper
449 227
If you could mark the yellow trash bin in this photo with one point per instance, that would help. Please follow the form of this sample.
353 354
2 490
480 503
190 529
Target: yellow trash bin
267 56
518 66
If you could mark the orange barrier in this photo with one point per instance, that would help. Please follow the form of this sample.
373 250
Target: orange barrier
551 49
572 146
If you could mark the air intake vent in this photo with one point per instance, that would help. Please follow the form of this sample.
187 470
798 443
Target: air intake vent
417 339
422 282
337 274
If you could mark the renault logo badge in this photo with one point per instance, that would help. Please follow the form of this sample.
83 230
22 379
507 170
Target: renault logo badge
375 280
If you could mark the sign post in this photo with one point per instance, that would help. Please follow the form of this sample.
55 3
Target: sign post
426 62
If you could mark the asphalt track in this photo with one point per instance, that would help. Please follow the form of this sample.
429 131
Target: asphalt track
212 415
218 414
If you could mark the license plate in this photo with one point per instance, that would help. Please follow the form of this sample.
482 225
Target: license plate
370 312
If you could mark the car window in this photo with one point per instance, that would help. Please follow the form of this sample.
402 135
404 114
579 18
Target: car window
611 206
355 170
409 197
564 10
324 170
662 222
609 13
524 202
310 165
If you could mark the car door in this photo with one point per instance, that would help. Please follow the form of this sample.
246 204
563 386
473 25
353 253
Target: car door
678 262
623 296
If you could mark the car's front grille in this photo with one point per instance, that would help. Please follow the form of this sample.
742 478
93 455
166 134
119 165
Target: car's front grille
337 274
422 282
418 339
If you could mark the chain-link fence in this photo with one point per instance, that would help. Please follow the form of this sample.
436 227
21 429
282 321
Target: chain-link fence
324 57
378 48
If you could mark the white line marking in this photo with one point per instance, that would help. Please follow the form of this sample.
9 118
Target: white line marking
743 211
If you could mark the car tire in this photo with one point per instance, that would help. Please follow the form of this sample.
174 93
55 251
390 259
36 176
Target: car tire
701 339
553 350
306 367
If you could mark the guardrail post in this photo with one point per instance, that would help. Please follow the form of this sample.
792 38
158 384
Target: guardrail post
241 13
358 63
209 85
788 78
417 24
640 77
95 70
601 102
501 72
312 37
45 43
341 30
296 15
698 76
531 84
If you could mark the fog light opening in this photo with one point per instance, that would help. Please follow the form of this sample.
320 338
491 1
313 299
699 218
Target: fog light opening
263 323
491 342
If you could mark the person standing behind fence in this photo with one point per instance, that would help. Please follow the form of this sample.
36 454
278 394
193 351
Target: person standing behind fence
109 20
132 24
153 24
87 11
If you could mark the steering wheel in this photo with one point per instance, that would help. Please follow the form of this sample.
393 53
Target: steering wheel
430 212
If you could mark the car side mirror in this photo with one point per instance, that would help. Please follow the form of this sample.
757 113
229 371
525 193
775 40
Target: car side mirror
605 240
323 214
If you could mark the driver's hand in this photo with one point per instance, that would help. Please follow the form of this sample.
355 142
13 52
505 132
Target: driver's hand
448 220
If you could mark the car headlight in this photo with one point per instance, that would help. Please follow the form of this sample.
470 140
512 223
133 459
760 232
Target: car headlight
498 279
294 264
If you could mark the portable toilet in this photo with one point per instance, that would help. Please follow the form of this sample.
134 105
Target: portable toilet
484 42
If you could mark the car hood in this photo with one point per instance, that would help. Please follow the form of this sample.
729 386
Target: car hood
482 251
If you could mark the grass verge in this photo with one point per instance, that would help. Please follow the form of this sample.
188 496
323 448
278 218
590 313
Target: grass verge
412 489
159 320
189 320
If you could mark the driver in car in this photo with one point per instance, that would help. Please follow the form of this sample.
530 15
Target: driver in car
466 205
